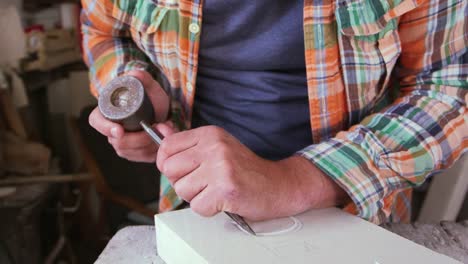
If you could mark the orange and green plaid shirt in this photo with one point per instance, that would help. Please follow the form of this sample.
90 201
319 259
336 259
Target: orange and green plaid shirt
387 84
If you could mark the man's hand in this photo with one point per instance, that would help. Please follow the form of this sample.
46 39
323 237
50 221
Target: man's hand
214 172
135 146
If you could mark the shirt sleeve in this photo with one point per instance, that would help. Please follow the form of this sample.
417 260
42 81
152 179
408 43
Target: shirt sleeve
423 132
109 50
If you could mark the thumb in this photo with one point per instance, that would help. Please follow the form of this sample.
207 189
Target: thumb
104 126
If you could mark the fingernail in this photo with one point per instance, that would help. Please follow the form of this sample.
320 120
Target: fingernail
114 132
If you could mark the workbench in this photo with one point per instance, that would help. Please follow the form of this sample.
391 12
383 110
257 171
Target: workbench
137 244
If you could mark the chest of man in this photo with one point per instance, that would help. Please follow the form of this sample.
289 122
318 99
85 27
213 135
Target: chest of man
350 47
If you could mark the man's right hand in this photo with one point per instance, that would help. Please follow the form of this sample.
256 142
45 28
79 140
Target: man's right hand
136 146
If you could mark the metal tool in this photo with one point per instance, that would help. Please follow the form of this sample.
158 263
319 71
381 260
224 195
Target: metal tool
241 222
154 134
124 101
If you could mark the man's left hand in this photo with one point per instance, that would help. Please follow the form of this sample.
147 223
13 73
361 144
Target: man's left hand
214 172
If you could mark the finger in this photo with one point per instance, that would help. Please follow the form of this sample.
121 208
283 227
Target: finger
176 143
140 155
170 124
180 141
190 185
104 126
204 203
134 154
127 153
166 129
180 164
133 140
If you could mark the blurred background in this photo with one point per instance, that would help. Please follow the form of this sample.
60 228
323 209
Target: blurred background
63 191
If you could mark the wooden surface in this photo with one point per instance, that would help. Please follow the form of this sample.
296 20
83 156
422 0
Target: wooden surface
137 244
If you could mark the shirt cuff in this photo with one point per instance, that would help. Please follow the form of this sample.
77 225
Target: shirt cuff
351 168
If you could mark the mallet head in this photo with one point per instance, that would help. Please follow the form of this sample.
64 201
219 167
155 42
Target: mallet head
124 101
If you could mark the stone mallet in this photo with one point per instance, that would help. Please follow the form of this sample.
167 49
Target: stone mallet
124 101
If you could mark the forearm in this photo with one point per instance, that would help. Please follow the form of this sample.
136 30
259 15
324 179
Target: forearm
389 152
422 132
314 189
109 50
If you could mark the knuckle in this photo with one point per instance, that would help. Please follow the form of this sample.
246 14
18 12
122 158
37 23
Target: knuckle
215 132
202 209
118 144
166 170
169 170
181 191
228 170
230 186
120 153
115 144
222 150
207 213
230 192
163 148
196 206
211 135
178 188
160 162
91 119
194 162
231 206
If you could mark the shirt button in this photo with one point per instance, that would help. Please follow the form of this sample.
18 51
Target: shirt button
189 87
194 28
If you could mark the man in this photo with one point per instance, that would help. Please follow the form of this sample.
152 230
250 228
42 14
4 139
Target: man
286 106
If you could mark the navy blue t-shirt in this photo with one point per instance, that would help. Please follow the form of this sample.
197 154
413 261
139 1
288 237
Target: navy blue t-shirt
252 76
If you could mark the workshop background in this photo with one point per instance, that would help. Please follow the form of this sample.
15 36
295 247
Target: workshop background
63 191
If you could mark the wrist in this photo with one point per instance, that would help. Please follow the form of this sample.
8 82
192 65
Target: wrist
314 188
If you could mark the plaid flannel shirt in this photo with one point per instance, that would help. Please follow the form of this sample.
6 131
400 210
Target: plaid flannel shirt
387 84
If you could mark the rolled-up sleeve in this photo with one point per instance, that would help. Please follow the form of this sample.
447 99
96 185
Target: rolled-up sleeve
109 50
423 132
